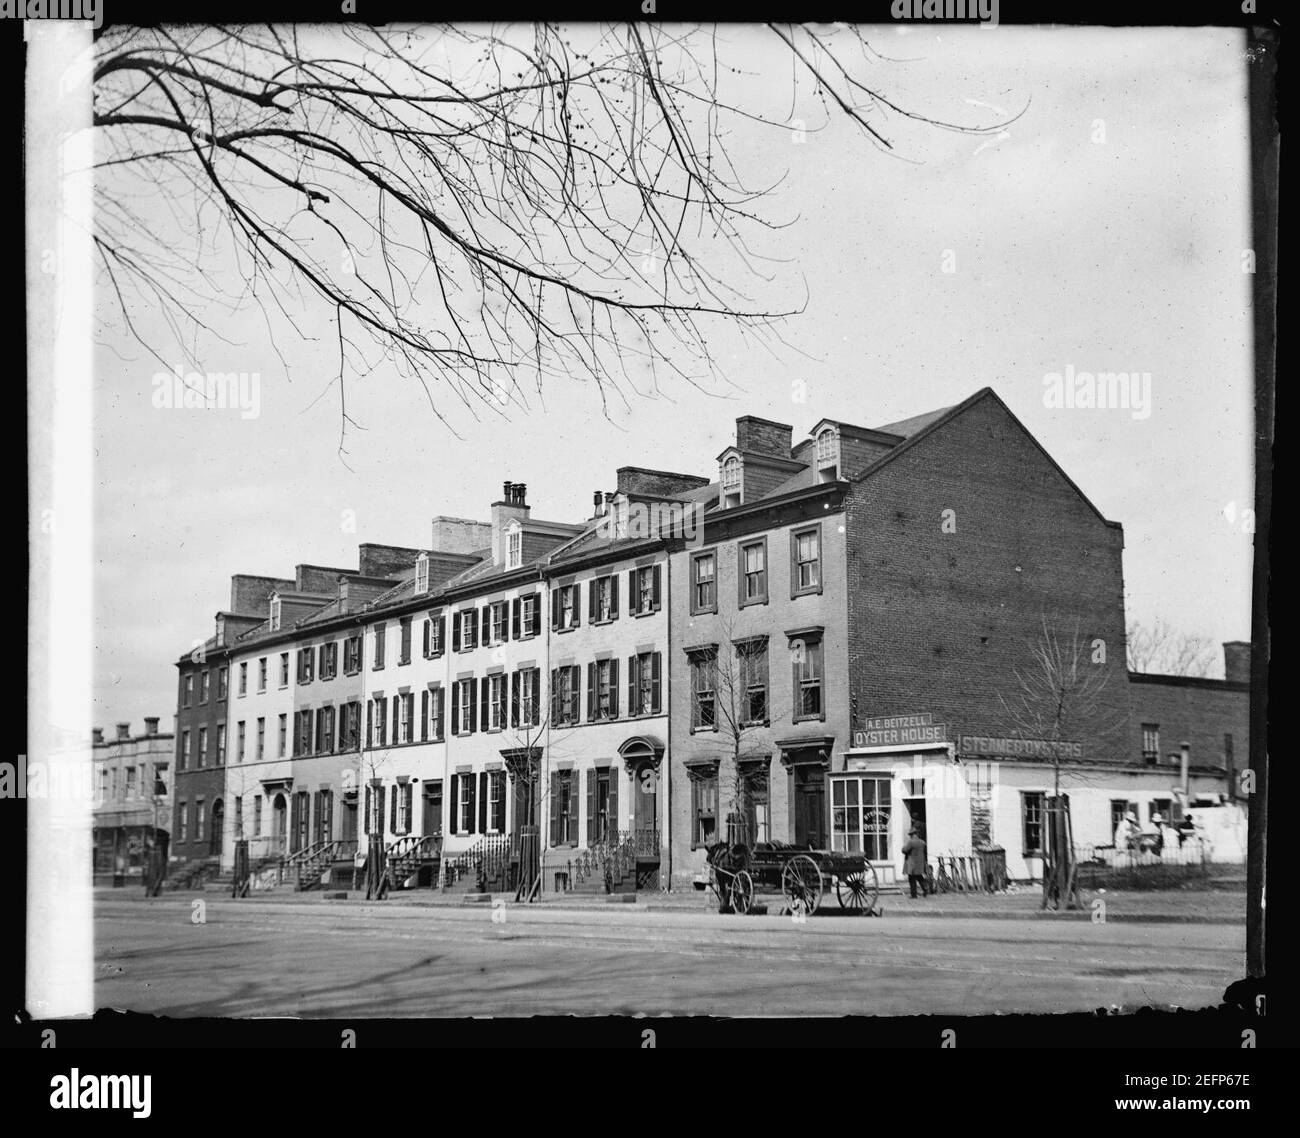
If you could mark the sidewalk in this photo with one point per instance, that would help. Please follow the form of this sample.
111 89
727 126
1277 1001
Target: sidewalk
1184 906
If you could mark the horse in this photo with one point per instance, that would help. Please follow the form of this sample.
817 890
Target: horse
726 861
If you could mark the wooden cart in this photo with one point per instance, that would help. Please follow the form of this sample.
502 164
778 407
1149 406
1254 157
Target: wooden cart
800 874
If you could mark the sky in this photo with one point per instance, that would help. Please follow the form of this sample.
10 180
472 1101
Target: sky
1103 231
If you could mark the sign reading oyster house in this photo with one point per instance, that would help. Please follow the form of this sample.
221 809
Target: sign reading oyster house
900 730
1020 748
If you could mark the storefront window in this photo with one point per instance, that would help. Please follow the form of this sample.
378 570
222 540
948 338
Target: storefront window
860 810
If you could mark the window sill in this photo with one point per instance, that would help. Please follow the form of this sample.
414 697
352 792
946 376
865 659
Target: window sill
809 719
713 611
704 730
570 628
752 603
604 621
648 612
806 592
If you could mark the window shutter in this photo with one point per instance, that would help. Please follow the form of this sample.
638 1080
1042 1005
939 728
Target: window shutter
379 813
575 686
438 710
591 692
366 818
370 721
632 673
613 595
424 716
555 808
555 696
392 810
794 565
485 694
428 624
514 618
455 707
591 600
555 610
794 668
655 705
408 794
740 574
397 718
577 605
654 588
455 632
633 594
473 703
537 614
614 776
455 797
591 807
482 802
514 699
473 813
485 624
613 688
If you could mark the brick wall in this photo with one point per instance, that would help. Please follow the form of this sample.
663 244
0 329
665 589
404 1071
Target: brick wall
1199 712
939 621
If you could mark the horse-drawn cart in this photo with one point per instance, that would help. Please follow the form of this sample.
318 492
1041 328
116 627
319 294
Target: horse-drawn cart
801 875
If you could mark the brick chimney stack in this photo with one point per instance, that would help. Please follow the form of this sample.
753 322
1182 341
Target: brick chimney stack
97 734
123 732
1236 661
151 725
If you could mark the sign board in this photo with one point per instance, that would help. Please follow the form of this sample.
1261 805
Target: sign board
1020 748
900 731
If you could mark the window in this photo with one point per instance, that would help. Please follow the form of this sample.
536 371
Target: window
755 806
183 813
464 632
564 695
751 658
806 654
350 727
564 809
200 819
1162 806
1150 743
261 738
130 782
602 690
514 549
422 574
329 660
731 487
602 600
433 636
378 722
404 640
243 680
530 623
284 731
806 561
239 818
494 702
352 654
405 718
860 813
240 731
828 454
402 794
184 752
704 582
302 740
526 697
703 695
499 614
223 680
496 817
431 712
325 730
704 807
462 709
564 607
187 693
306 665
375 807
104 793
324 815
275 614
753 573
261 674
643 684
1119 807
257 816
284 669
203 746
1031 814
205 685
379 631
465 804
643 590
598 806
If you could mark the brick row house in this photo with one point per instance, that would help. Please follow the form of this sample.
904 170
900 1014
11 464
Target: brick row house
826 643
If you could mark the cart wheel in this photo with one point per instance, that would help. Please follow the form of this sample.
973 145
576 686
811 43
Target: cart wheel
801 882
742 892
857 891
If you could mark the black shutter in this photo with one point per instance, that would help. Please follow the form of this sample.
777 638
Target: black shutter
392 811
591 692
535 678
633 707
536 627
655 706
514 700
514 618
654 578
379 813
482 802
486 625
424 716
577 604
473 705
428 624
555 609
366 818
591 807
613 596
485 694
397 718
555 808
473 813
408 793
613 688
455 800
592 590
613 799
455 632
633 595
455 707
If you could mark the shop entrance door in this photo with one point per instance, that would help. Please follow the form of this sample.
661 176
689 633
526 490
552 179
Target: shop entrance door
810 805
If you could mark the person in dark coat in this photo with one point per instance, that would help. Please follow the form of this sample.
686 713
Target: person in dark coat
914 861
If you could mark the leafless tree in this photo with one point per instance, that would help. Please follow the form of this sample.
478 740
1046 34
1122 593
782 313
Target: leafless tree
1158 647
483 208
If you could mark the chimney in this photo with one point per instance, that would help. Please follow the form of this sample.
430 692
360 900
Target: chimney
1236 661
123 732
597 504
512 506
459 535
97 734
151 725
763 436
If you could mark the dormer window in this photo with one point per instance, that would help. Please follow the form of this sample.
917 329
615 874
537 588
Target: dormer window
514 548
731 482
828 454
422 574
275 614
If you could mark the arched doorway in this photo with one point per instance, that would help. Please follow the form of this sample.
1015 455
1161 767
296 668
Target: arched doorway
279 822
641 755
218 820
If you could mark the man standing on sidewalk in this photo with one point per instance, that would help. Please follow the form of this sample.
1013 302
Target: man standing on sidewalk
914 861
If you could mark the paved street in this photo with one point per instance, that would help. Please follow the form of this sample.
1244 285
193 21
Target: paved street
338 959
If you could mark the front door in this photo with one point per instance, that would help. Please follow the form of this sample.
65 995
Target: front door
810 805
431 823
645 810
279 823
218 817
349 832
